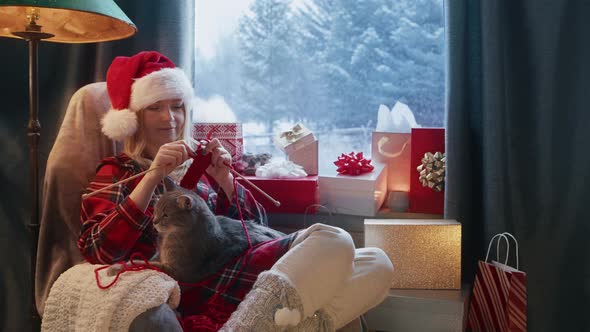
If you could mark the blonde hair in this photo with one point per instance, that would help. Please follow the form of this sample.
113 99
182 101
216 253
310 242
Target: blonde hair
134 145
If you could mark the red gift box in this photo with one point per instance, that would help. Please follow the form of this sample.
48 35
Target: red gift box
424 199
229 134
294 194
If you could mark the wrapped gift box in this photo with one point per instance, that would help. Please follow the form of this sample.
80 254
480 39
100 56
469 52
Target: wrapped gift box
360 195
425 199
295 139
426 254
294 194
394 150
306 157
301 147
229 134
417 310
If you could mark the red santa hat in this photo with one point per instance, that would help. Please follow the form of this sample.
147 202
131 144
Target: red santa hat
139 81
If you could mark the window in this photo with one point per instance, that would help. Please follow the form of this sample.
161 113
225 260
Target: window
327 64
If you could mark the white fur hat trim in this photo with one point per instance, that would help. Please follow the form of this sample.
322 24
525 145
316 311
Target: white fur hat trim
167 83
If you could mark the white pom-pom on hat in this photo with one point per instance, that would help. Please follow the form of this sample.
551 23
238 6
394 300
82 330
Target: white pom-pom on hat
286 317
119 124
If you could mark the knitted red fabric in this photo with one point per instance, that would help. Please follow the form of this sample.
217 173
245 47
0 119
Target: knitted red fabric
195 171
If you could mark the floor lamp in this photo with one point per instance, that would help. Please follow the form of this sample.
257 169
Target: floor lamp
59 21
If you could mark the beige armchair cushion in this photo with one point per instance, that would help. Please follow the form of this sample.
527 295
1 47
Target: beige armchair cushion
72 162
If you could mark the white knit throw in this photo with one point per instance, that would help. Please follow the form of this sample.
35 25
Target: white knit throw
75 302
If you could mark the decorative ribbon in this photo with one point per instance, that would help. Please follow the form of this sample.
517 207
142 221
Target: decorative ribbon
353 164
432 171
294 134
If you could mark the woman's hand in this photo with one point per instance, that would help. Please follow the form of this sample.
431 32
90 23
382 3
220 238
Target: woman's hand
168 157
220 161
220 166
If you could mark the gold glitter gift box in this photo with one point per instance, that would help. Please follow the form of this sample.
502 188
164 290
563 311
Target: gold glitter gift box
426 254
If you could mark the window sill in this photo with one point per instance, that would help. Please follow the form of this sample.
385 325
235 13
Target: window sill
386 213
355 225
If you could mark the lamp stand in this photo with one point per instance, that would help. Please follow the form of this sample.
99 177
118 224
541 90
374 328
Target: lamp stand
33 35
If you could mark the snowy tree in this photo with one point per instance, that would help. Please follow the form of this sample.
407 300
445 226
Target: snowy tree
418 40
377 51
311 26
331 62
221 74
269 89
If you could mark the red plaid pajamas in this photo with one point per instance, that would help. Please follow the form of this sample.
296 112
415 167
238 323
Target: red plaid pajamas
113 227
212 300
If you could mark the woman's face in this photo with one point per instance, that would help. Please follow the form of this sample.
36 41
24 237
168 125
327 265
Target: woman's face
163 122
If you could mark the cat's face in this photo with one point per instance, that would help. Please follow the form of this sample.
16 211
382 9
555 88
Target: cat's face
179 210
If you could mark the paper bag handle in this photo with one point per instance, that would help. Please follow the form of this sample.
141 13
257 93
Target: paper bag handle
515 245
504 236
382 141
497 248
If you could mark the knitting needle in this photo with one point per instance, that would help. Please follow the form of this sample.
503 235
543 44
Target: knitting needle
123 181
118 183
235 173
274 201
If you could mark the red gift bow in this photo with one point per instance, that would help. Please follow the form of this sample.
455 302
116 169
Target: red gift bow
353 164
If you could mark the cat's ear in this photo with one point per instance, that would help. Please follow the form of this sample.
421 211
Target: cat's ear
185 202
169 185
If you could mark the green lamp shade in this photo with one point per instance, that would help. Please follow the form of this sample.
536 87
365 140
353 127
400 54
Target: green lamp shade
70 21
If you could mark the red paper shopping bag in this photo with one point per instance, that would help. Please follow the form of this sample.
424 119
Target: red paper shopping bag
498 300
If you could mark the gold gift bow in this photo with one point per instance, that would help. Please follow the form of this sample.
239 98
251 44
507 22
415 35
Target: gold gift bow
294 134
432 171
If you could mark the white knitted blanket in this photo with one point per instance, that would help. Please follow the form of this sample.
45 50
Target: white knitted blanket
75 302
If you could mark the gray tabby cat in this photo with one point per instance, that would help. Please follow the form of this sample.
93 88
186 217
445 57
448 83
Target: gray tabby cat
193 242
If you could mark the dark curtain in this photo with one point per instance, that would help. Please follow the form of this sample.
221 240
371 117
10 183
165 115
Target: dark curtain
517 136
166 26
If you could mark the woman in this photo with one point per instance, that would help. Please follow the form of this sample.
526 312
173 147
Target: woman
321 275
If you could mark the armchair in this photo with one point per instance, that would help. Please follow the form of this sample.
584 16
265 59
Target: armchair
78 149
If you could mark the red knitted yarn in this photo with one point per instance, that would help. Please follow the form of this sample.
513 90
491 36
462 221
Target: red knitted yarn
200 163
